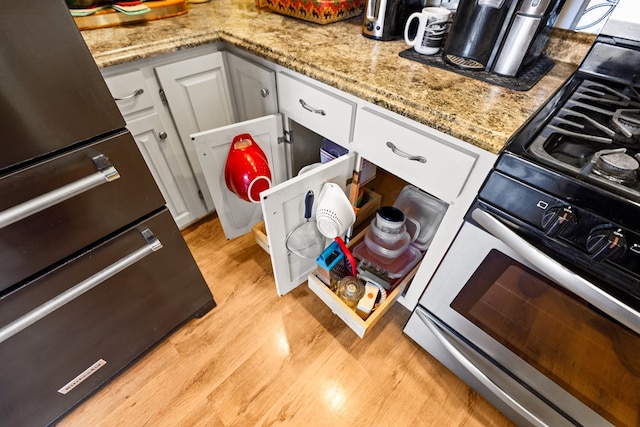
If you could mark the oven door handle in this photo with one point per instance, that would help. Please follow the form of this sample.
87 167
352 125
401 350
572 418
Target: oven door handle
106 173
26 320
559 273
477 372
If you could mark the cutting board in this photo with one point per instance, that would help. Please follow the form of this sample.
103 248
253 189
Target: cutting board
110 18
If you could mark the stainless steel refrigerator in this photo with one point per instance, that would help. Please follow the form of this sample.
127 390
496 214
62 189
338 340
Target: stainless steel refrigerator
93 270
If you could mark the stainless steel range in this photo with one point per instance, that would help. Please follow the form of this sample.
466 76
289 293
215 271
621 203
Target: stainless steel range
537 303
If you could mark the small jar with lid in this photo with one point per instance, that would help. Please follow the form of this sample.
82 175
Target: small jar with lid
350 290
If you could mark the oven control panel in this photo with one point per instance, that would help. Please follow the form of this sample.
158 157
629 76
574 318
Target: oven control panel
589 236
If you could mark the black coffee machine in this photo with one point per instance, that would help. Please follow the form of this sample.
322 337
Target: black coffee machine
500 36
385 19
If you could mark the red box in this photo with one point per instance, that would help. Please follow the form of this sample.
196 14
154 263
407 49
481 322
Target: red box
318 11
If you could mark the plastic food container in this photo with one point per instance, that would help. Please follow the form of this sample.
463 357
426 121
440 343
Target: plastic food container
425 209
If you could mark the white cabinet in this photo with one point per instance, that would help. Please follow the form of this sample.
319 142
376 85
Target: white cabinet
206 95
324 112
437 163
212 147
168 165
167 99
136 95
254 88
197 92
283 210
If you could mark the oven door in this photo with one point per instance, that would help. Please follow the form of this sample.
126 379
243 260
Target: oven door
538 352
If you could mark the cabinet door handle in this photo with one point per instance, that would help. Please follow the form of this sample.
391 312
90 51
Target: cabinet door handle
264 92
23 322
106 173
404 154
133 95
310 108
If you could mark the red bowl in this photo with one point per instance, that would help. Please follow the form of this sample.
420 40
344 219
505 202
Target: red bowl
247 172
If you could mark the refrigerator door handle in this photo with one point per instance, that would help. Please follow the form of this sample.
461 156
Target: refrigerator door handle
26 320
476 372
106 173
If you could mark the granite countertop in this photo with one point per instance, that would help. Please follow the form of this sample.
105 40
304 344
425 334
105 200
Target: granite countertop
337 54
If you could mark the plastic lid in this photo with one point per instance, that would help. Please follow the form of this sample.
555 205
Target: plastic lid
425 209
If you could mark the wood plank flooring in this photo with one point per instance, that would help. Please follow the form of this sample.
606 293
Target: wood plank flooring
261 360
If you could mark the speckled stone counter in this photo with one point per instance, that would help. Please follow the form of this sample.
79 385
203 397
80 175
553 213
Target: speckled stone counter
337 54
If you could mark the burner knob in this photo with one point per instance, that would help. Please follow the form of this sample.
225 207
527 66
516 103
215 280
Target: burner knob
557 219
606 243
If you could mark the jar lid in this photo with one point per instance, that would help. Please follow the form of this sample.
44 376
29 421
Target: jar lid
351 288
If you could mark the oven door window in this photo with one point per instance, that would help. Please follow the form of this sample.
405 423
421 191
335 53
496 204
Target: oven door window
591 356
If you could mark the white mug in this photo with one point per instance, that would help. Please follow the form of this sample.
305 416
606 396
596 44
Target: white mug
432 27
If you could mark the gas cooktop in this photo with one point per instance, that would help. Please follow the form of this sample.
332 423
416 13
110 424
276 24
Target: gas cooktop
595 135
590 130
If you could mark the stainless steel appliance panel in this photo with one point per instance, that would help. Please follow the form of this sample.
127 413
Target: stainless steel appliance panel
48 80
45 236
507 312
113 322
516 44
499 388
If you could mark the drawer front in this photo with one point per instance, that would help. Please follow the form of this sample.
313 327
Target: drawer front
437 166
317 109
114 322
41 237
130 92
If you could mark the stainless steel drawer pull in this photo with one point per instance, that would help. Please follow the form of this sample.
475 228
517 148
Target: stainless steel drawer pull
23 322
133 95
476 372
106 173
310 108
406 155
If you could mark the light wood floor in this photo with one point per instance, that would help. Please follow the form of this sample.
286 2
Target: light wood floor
258 359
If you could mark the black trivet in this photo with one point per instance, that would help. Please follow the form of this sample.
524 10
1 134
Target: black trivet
532 74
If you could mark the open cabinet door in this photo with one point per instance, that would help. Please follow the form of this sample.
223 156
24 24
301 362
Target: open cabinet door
212 147
283 210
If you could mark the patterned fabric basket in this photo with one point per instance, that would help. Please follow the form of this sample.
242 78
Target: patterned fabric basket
318 11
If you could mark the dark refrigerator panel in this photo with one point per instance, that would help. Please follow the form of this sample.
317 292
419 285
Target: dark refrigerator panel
93 269
31 244
100 331
53 95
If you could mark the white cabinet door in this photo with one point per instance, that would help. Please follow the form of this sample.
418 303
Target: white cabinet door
197 92
254 88
163 154
283 210
212 147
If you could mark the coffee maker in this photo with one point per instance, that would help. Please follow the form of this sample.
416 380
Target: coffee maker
385 19
500 36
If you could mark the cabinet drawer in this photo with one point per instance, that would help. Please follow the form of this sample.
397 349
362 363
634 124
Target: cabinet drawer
130 92
317 109
441 168
112 322
339 308
42 220
348 315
